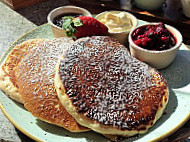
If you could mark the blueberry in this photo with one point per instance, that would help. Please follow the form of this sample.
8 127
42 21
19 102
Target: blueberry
134 35
161 25
148 27
137 32
159 30
164 47
140 36
151 35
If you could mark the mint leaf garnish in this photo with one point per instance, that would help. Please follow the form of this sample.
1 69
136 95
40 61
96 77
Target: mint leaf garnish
66 23
77 22
67 17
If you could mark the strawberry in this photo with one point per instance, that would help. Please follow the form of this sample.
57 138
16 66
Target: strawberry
83 26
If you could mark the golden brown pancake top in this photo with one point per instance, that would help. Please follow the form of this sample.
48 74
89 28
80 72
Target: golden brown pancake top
16 55
106 84
35 77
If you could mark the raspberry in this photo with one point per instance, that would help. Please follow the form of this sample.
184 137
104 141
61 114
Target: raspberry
164 39
138 42
140 36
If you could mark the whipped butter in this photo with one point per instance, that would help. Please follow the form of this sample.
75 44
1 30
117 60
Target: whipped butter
116 22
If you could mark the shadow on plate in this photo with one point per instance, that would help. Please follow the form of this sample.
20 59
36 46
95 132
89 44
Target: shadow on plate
13 101
90 136
178 73
19 105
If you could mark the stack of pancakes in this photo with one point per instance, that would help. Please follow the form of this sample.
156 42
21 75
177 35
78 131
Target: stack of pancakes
89 84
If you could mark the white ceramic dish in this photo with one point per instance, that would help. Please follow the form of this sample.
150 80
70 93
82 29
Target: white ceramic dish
156 59
57 31
120 36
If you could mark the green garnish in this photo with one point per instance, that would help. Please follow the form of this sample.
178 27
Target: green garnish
77 22
68 23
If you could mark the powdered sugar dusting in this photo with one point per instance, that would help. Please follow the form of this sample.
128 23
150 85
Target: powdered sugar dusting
36 74
105 82
42 60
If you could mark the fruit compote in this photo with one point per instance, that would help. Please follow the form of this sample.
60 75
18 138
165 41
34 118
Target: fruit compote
154 37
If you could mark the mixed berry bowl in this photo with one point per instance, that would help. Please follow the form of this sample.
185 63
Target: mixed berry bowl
155 44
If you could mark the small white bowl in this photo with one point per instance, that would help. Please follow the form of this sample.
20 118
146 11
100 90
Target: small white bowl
156 59
57 31
120 36
149 4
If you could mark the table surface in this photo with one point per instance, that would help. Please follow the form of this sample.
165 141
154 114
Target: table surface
14 24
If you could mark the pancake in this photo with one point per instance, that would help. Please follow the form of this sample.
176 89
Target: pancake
107 90
7 77
35 79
